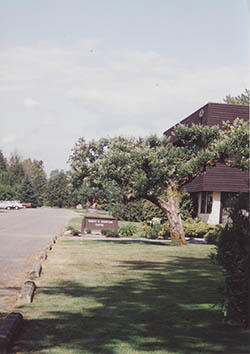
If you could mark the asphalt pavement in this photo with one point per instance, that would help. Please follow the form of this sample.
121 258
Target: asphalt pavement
23 233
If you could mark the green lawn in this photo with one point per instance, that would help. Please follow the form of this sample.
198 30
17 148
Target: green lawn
109 297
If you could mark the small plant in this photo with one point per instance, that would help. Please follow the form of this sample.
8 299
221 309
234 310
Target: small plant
165 230
151 230
88 231
212 237
128 229
109 233
73 230
197 228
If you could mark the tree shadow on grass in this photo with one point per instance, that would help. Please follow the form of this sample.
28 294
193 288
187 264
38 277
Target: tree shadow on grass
165 307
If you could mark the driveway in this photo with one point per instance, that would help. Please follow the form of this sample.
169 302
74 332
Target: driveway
23 233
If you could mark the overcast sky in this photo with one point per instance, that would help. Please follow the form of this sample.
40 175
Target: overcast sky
93 68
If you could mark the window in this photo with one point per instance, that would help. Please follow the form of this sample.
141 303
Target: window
206 202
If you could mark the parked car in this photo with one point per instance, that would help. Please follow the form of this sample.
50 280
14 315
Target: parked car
11 204
26 205
16 204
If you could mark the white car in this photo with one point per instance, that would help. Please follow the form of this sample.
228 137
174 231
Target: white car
11 204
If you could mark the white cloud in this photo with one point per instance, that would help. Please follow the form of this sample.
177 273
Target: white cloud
87 91
8 139
29 102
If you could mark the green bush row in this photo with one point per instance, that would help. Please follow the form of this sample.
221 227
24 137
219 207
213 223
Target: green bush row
193 228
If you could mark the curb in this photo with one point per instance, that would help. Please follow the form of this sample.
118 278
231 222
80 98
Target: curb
35 271
12 324
9 330
27 292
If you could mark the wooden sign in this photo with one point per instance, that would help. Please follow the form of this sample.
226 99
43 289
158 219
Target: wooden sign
99 223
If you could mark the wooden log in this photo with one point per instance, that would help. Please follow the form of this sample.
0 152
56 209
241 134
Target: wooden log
49 247
35 271
9 330
27 292
43 255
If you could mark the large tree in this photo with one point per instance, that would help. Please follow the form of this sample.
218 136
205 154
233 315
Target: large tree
152 168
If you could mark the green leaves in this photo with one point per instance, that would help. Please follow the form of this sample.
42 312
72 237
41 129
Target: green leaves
241 99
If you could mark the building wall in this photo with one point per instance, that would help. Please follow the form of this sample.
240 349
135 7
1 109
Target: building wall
214 217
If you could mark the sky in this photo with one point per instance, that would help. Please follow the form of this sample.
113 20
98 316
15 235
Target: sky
95 68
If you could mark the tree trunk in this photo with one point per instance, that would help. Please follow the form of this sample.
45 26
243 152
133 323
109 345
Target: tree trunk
174 217
172 209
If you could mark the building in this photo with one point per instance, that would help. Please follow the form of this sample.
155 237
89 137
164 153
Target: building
212 190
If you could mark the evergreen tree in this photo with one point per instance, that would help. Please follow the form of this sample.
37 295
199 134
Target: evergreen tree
15 168
27 194
7 190
34 170
57 190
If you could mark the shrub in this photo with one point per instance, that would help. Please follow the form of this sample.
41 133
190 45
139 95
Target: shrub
88 231
212 237
197 228
109 233
73 230
233 255
127 229
152 230
165 230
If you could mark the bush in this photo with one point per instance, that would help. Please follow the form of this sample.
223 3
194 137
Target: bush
73 230
165 230
152 231
127 229
234 256
197 228
109 233
88 231
212 237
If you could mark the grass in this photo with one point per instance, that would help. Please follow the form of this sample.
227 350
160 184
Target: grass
109 297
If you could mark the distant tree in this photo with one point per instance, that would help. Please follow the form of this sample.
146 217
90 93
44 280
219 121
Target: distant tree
241 99
15 168
3 163
27 194
57 190
7 190
54 173
35 171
